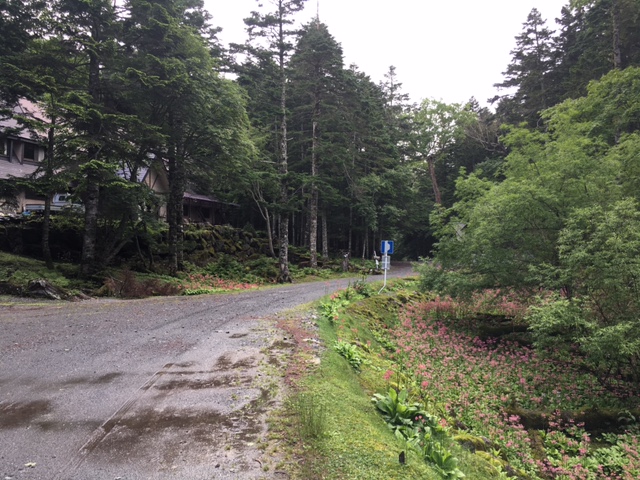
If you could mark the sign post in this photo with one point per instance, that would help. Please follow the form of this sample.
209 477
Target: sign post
386 247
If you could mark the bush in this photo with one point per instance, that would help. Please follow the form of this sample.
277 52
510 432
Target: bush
363 288
226 266
434 278
264 267
598 251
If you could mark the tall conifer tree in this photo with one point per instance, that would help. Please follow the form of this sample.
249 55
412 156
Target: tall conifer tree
271 39
317 79
528 72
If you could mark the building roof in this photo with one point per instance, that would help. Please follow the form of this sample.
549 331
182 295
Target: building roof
16 169
203 199
195 198
25 108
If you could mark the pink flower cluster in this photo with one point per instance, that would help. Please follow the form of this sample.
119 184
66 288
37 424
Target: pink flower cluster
477 382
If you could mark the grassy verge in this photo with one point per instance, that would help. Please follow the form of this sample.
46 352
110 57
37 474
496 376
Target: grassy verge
331 426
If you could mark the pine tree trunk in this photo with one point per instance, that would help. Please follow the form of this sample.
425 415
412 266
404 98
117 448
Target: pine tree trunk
91 198
283 168
313 202
272 252
325 237
172 237
92 192
283 258
617 48
283 251
304 224
365 246
46 220
175 203
350 229
46 228
274 226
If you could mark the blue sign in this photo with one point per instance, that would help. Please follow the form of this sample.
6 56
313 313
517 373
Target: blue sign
386 247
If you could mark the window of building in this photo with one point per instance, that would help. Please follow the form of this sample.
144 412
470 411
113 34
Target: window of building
3 147
29 151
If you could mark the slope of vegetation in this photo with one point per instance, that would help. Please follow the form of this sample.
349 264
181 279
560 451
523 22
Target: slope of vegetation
417 386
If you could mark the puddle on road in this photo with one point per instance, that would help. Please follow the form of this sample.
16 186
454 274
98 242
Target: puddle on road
282 345
163 435
223 363
20 414
151 420
59 426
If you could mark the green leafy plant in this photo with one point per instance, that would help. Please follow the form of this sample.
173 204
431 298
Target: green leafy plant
331 309
226 266
396 411
441 459
350 352
431 442
362 288
199 291
420 429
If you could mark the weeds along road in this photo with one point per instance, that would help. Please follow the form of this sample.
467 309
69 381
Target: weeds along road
166 387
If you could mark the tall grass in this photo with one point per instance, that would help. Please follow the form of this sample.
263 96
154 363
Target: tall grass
311 415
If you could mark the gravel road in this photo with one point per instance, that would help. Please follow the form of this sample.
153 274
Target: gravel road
160 388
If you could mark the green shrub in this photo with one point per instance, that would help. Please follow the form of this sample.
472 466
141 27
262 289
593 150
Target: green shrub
410 422
226 266
362 288
396 411
436 279
264 268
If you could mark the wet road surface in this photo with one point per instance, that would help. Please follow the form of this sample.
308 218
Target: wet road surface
142 389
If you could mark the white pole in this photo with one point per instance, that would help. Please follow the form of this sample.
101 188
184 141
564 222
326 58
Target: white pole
385 266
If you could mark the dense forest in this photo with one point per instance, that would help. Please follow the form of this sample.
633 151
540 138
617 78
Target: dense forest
319 155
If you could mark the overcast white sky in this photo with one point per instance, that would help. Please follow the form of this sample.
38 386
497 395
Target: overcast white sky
448 50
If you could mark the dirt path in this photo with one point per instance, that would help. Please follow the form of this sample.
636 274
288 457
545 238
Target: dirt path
162 388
